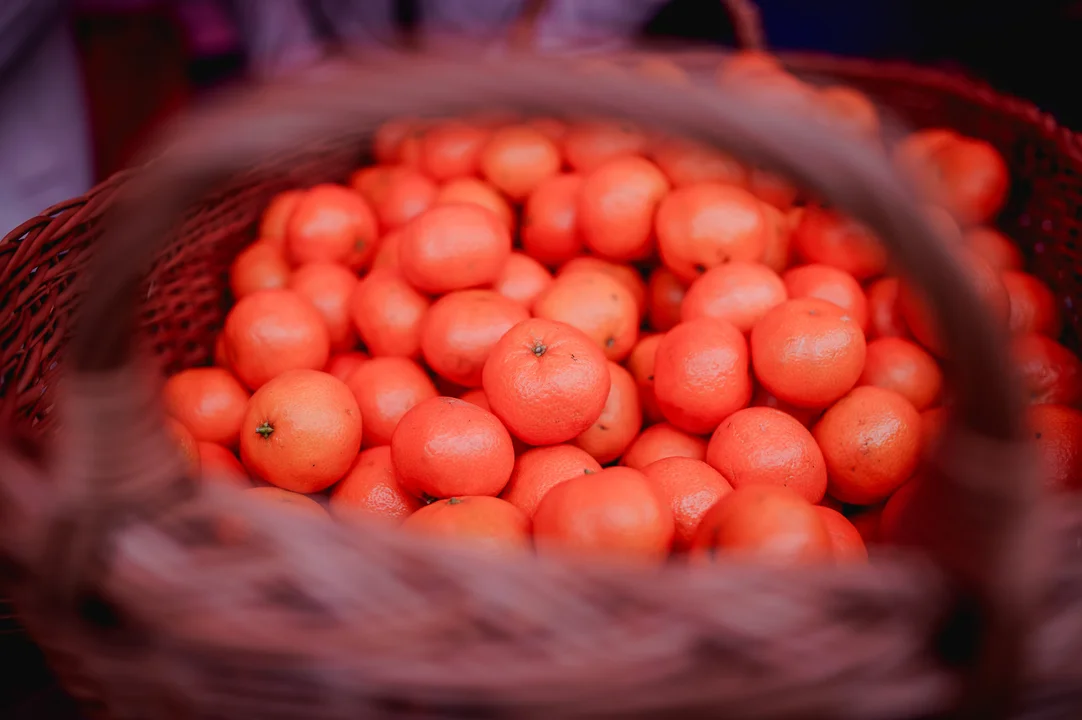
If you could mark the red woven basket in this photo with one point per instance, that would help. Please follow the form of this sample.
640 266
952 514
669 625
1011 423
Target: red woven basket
121 573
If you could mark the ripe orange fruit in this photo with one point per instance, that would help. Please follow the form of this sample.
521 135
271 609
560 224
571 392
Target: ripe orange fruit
772 189
329 287
761 445
460 330
385 389
779 236
805 416
640 363
807 352
1057 431
398 141
1050 372
616 207
186 444
343 364
620 420
444 447
830 284
615 511
1033 306
387 313
294 501
387 253
628 276
547 381
272 224
218 464
665 294
538 470
208 401
518 158
331 223
994 248
769 523
691 488
871 442
371 489
701 374
221 358
590 144
702 226
598 305
550 232
472 191
969 178
271 331
686 162
452 247
884 315
662 441
904 367
867 522
487 522
522 280
845 539
738 292
829 238
452 149
260 266
301 431
397 193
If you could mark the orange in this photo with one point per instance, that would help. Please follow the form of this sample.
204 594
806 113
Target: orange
385 389
871 440
387 313
288 498
1050 372
665 294
487 522
831 503
477 397
845 539
518 158
761 445
640 363
329 287
552 128
691 488
884 315
969 178
452 149
538 470
850 110
472 191
445 447
831 284
994 248
387 253
460 330
331 223
616 207
221 359
777 252
271 331
738 292
219 464
900 518
398 141
805 416
867 522
686 162
452 247
371 489
258 267
598 305
807 352
829 238
272 224
1057 430
662 441
550 232
932 424
766 522
772 189
590 144
547 381
1033 306
616 511
301 431
913 154
208 401
620 420
186 444
522 280
904 367
397 193
744 64
628 276
343 364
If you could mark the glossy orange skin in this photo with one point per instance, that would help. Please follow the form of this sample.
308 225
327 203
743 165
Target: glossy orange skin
370 489
706 225
589 145
805 416
970 179
598 305
445 447
398 141
904 367
397 193
453 247
452 149
343 364
186 444
845 539
483 521
737 292
474 191
387 313
293 500
302 431
620 420
831 284
662 441
387 253
1033 305
550 232
331 223
385 389
640 363
272 224
616 208
871 440
829 238
522 280
219 464
994 248
209 401
1050 372
329 287
691 488
272 331
686 162
518 158
538 470
778 250
807 352
1057 432
460 330
615 512
701 374
628 276
665 294
772 189
547 381
260 266
760 445
884 316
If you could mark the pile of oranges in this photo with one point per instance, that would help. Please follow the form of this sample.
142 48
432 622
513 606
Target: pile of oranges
578 335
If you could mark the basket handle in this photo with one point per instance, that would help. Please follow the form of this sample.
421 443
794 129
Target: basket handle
986 487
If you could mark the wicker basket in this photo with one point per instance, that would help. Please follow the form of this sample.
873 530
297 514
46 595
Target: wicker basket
121 572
